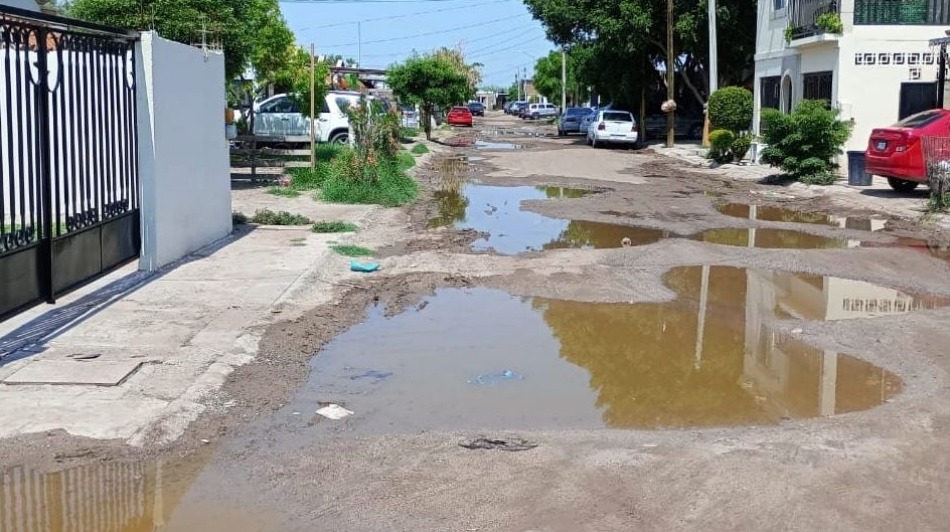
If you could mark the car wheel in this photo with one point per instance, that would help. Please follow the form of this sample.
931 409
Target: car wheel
340 138
901 185
535 116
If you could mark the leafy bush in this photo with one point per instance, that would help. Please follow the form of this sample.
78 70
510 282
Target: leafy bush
333 226
419 149
804 143
731 108
238 218
381 181
830 22
408 132
269 217
740 147
720 145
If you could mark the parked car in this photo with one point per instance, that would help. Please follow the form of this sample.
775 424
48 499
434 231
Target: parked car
613 127
517 107
537 111
684 126
896 153
477 108
279 116
410 117
570 120
459 116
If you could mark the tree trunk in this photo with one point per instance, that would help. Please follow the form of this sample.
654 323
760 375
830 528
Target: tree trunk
427 121
670 75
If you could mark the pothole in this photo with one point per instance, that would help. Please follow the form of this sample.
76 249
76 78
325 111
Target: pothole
769 213
771 239
496 211
485 145
712 357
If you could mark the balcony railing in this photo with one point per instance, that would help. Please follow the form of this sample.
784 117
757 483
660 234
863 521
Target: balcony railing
803 17
901 12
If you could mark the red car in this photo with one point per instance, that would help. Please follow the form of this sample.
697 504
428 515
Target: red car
459 116
896 153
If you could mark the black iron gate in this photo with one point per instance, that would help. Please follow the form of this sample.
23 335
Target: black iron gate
69 206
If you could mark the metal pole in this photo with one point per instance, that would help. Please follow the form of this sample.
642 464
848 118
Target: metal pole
518 83
313 69
563 79
942 76
359 40
670 72
713 67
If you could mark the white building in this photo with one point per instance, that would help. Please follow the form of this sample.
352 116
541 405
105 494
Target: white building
878 70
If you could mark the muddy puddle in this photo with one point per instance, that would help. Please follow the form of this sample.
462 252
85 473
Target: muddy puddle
122 497
769 213
484 359
768 238
486 145
496 210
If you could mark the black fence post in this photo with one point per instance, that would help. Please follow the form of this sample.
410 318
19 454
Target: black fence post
45 162
941 76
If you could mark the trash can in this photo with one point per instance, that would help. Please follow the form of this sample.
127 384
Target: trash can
857 175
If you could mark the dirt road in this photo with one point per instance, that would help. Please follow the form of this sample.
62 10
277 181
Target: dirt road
567 339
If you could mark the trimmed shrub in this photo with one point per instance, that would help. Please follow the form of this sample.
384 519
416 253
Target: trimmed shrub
740 147
720 145
731 108
804 143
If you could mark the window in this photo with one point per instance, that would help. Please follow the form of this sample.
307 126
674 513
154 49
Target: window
325 108
770 93
817 86
920 120
618 116
343 104
280 105
778 5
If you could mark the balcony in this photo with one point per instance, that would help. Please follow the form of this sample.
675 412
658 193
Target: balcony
901 12
812 18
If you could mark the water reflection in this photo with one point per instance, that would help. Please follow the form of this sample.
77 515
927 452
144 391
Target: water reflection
769 213
711 357
770 239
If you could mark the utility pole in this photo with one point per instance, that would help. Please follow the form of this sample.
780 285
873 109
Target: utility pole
359 45
313 69
563 79
524 81
518 83
713 67
670 76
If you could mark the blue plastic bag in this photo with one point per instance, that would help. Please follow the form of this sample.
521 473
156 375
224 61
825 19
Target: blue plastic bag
364 267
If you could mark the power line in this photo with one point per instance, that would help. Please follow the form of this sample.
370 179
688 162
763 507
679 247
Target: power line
362 1
397 16
485 37
495 48
449 30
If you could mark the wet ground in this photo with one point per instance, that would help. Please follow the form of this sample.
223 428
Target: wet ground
671 351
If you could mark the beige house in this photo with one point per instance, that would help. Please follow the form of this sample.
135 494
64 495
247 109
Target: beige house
877 70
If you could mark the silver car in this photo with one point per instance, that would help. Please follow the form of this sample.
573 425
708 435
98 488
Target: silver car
537 111
571 120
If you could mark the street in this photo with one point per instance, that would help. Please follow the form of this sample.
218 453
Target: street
560 338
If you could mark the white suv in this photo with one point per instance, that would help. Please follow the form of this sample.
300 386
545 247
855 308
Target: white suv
279 116
536 111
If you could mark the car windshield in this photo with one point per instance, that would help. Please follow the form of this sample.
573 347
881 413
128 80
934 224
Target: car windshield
459 109
919 120
577 111
616 116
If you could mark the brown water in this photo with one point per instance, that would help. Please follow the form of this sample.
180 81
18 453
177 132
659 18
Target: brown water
709 358
769 213
769 238
496 210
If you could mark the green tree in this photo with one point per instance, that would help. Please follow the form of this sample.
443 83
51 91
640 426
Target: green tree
731 108
251 32
547 78
429 81
805 142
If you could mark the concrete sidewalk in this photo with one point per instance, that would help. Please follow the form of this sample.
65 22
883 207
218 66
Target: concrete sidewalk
133 352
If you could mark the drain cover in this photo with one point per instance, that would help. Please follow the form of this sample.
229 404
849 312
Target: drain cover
91 372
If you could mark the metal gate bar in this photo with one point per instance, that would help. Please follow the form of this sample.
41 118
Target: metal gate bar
69 206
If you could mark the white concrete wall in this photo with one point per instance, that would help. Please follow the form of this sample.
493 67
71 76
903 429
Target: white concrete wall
183 153
869 94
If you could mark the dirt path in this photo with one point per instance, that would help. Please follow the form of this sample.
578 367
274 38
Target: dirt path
676 358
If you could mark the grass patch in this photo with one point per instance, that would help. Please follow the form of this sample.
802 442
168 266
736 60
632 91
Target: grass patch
419 149
328 151
938 203
352 251
269 217
408 132
284 192
333 226
384 183
405 160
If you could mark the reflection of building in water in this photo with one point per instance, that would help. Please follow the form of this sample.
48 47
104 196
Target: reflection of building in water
800 379
110 497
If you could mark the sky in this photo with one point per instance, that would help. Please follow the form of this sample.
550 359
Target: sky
497 33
